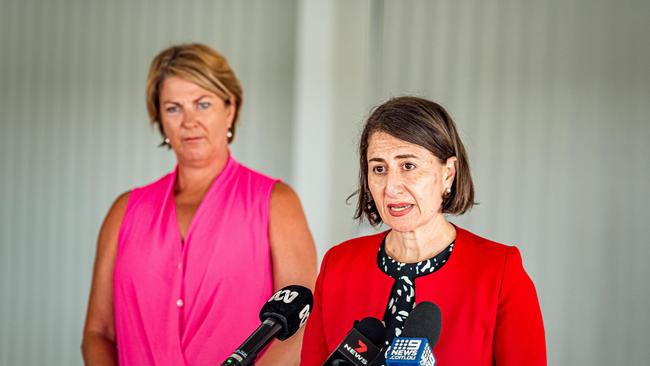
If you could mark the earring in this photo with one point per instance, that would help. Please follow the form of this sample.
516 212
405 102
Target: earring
165 142
371 202
229 134
448 191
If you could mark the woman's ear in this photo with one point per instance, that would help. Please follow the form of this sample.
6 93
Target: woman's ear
449 171
230 113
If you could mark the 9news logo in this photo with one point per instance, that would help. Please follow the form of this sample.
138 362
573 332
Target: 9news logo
409 350
405 349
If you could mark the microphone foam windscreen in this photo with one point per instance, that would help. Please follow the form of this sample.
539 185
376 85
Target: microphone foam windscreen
373 329
424 321
290 307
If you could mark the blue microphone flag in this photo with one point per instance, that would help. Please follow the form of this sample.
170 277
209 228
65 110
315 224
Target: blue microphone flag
410 352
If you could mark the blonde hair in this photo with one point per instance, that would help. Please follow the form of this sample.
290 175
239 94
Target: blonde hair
199 64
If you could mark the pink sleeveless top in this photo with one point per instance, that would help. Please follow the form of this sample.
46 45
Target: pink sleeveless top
192 302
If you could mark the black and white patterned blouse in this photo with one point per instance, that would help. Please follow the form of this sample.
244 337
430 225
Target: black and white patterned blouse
402 295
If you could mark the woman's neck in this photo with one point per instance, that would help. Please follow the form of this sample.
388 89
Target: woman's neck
422 243
193 178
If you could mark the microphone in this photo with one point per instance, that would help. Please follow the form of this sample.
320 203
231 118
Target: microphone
421 332
359 347
285 312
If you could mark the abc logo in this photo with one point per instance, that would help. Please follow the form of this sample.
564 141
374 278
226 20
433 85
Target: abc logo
304 314
285 296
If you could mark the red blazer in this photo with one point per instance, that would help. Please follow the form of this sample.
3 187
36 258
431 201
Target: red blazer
490 312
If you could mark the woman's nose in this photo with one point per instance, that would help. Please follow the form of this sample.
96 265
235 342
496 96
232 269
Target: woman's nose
189 117
394 183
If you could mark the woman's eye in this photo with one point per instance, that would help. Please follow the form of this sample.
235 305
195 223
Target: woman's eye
409 166
204 105
172 109
378 169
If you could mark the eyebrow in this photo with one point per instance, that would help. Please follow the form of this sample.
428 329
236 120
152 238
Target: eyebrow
406 156
202 96
195 100
397 157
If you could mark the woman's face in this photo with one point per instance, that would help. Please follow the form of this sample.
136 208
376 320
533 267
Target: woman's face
195 120
407 182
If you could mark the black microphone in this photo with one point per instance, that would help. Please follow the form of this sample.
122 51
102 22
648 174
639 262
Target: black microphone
360 346
285 312
421 332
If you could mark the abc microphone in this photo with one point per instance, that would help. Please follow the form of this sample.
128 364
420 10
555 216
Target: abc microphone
359 347
421 332
285 312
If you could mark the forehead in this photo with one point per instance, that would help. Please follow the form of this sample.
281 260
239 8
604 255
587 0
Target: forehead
385 146
175 87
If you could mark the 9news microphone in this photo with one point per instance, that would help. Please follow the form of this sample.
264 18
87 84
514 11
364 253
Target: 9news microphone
421 332
360 345
285 312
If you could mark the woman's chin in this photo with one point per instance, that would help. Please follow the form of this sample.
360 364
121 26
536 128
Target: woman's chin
400 225
195 156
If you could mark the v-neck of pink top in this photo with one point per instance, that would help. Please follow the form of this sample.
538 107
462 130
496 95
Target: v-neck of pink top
192 302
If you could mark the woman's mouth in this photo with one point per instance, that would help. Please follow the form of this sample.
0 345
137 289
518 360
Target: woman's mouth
400 209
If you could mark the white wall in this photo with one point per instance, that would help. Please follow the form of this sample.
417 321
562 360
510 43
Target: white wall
551 99
74 134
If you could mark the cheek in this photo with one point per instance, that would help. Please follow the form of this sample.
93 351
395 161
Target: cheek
171 121
426 191
218 122
375 186
167 127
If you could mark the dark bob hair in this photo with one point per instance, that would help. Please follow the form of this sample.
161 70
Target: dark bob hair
424 123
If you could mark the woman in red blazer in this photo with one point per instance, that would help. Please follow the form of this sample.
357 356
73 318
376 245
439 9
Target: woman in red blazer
413 172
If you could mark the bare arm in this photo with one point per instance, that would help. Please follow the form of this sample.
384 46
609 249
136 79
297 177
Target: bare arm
98 344
294 263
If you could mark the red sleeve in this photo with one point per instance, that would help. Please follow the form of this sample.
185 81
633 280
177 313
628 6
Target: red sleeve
519 333
314 347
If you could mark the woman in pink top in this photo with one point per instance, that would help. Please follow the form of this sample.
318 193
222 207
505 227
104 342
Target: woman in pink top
185 263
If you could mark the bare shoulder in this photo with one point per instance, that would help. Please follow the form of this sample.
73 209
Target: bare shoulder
292 246
286 210
99 318
113 220
283 194
119 205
